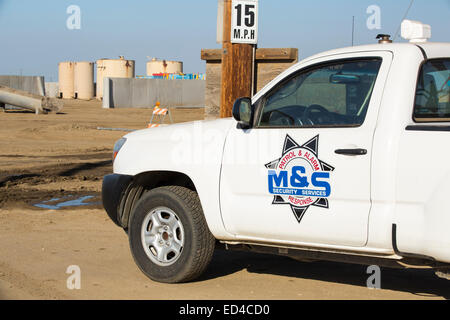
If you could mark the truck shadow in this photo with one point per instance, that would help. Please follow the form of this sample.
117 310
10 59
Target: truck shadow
90 166
421 282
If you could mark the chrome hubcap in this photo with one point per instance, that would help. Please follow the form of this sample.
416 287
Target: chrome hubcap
162 236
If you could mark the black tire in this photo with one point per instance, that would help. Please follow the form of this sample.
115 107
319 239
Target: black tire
198 245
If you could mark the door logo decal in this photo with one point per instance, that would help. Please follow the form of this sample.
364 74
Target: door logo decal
299 178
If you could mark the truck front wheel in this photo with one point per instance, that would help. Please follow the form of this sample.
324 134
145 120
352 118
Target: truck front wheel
169 238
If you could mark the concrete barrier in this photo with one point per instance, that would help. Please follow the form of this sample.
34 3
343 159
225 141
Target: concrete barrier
30 84
143 93
51 89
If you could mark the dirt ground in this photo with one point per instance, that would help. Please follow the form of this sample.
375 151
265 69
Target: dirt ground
50 162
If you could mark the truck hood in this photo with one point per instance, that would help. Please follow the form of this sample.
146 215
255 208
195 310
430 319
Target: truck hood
165 132
181 147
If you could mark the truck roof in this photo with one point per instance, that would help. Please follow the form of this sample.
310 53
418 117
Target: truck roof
432 49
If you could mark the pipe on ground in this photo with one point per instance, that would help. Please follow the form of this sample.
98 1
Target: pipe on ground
23 99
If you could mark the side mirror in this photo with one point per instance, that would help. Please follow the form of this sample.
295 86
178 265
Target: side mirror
243 112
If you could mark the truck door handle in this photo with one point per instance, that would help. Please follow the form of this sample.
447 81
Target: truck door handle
351 152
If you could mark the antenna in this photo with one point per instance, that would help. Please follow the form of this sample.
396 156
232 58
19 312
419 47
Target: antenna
404 17
353 30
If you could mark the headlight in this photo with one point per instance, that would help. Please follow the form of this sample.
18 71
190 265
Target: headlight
117 146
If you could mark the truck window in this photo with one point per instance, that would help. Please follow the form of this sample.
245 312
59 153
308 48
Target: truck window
336 94
432 103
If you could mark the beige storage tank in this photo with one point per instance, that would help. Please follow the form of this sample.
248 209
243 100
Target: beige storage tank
163 66
84 80
66 80
113 68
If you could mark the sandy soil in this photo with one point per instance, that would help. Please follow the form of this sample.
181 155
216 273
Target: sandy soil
56 158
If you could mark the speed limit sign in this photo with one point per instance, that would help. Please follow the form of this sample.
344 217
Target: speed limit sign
244 21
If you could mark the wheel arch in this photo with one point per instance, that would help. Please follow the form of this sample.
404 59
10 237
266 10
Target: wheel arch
144 182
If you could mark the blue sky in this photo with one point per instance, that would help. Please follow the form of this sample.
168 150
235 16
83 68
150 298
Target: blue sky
34 36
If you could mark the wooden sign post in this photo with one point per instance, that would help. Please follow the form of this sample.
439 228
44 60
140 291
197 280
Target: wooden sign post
237 58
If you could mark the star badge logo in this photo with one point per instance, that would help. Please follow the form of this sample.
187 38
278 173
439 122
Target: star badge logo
299 178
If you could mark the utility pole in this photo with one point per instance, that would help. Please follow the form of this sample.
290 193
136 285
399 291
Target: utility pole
237 60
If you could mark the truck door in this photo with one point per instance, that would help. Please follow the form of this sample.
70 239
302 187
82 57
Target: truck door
302 173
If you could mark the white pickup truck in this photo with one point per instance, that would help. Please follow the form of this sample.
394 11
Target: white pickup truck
342 157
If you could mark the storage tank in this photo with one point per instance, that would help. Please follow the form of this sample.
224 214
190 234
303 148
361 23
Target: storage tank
163 66
113 68
66 80
84 80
